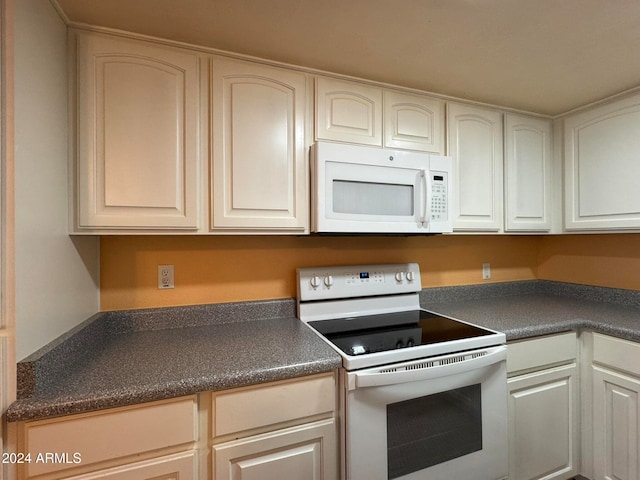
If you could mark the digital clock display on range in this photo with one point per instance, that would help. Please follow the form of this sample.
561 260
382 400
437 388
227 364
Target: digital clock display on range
364 275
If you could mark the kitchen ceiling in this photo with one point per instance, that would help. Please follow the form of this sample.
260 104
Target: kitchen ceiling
544 56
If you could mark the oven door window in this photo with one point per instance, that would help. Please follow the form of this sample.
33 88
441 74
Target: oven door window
426 431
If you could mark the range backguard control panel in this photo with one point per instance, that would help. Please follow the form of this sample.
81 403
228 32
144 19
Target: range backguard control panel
322 283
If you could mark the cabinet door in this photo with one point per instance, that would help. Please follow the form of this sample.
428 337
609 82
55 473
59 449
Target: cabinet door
260 162
413 122
306 452
602 167
528 175
616 425
348 112
543 424
172 467
475 143
137 158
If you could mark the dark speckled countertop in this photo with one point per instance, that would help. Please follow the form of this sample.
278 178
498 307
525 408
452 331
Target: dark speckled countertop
122 358
528 309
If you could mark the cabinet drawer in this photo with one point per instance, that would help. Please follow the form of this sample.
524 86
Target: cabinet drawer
617 353
113 434
540 352
256 407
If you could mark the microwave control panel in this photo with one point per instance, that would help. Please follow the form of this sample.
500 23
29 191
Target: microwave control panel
439 195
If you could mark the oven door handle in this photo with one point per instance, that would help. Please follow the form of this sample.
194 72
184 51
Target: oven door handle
377 379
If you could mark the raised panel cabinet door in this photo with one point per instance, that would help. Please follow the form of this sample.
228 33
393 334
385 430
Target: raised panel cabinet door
413 122
616 425
137 121
475 144
543 424
305 452
602 167
260 163
528 173
180 466
348 112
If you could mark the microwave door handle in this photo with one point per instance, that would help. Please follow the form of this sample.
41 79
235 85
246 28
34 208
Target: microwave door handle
424 218
375 379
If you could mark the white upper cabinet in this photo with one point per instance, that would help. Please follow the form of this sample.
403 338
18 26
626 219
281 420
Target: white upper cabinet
353 112
528 173
260 166
413 122
141 125
348 112
602 167
137 155
475 144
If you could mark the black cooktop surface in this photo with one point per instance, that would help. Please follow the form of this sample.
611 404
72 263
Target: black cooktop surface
390 331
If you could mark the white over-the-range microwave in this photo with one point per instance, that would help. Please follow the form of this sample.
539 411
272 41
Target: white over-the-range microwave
369 190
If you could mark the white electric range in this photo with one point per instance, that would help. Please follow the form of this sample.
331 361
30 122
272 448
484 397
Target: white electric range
423 396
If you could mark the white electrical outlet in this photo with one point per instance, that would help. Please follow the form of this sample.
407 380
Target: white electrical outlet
165 276
486 271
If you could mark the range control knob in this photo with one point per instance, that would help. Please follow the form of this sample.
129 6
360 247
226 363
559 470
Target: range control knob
399 276
410 276
314 281
328 281
399 344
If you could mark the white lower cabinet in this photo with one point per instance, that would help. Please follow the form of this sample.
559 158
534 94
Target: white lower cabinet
305 452
171 467
615 425
542 424
271 431
616 409
156 440
544 408
274 432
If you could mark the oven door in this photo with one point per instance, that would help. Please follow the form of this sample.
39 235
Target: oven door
439 418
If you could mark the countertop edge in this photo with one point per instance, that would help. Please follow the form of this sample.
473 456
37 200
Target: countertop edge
36 409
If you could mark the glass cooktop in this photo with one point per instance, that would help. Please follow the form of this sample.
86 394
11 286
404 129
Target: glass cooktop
391 331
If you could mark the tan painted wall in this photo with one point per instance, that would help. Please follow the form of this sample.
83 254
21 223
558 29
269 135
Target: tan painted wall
605 260
223 269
